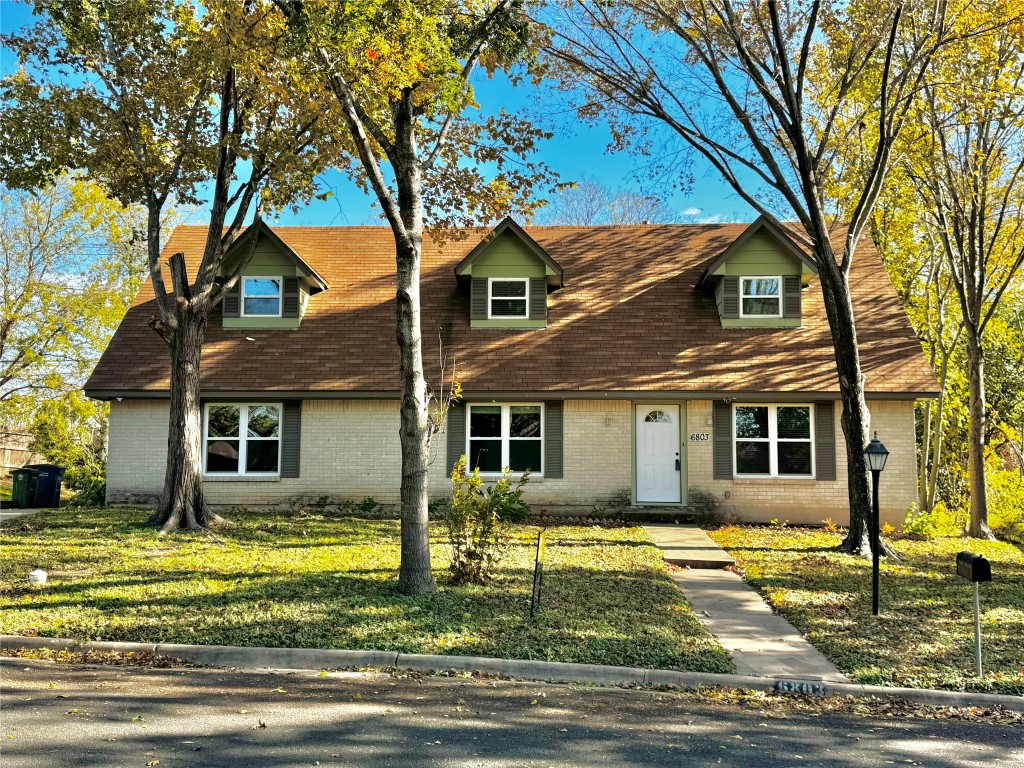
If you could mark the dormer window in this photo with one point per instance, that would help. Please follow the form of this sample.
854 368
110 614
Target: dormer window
508 299
761 297
508 277
261 296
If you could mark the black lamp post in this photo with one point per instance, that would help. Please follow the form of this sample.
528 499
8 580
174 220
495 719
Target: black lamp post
875 455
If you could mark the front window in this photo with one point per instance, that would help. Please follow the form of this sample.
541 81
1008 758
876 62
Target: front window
505 436
242 439
507 299
761 297
773 441
261 296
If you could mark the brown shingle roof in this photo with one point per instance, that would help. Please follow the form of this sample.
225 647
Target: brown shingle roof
628 319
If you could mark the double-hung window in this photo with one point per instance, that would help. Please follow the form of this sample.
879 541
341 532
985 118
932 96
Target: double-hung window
242 439
261 296
507 298
760 297
502 436
773 441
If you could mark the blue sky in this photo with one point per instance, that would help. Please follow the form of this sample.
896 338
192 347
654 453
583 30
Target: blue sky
576 150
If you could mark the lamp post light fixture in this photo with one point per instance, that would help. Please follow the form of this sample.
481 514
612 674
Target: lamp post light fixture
875 455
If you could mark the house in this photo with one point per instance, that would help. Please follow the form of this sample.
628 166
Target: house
615 362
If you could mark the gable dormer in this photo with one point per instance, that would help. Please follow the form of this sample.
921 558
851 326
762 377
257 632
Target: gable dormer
275 286
759 279
508 276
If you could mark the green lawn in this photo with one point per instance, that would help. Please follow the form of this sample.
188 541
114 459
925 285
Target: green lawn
316 581
5 489
925 635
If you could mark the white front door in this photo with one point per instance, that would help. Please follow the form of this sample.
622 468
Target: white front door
658 474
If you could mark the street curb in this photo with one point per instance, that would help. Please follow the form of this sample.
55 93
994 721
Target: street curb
538 671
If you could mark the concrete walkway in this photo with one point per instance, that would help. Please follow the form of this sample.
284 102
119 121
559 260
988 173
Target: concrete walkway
762 643
688 546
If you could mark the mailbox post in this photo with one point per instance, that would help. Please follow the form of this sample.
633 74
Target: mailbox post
976 569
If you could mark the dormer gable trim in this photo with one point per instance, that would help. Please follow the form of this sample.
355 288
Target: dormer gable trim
784 238
552 267
262 229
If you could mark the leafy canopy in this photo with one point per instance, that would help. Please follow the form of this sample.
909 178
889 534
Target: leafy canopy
402 73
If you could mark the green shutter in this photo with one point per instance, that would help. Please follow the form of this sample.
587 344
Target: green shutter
722 428
291 437
290 297
553 428
730 298
791 296
825 440
456 433
478 299
231 302
538 298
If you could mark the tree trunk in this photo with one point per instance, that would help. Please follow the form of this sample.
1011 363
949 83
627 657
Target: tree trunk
976 436
938 441
182 505
856 418
924 463
415 576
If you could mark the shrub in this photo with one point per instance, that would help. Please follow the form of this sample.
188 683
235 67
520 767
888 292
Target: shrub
369 507
91 493
939 522
705 505
1006 503
476 521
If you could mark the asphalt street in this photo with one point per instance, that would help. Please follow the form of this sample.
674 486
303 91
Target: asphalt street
57 715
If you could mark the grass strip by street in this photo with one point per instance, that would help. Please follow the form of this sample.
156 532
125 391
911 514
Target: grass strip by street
924 637
312 580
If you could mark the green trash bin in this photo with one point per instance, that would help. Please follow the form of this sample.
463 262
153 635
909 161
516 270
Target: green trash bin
23 487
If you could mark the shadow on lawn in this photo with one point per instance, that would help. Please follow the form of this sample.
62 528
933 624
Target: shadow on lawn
261 582
925 628
585 615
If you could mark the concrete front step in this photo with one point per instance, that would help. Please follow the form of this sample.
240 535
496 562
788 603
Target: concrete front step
688 546
672 515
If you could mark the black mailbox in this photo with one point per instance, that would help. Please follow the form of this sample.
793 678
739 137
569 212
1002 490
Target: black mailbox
973 567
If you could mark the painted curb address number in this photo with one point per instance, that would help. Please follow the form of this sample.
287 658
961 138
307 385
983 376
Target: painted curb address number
700 437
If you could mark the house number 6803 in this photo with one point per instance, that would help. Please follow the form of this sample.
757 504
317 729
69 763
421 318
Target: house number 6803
700 437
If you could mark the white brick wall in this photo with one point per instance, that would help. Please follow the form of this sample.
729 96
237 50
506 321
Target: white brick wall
350 449
811 501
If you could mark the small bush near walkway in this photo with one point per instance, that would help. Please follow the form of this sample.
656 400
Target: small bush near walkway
314 581
925 635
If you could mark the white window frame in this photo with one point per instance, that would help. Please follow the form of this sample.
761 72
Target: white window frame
745 295
491 297
280 295
773 440
243 439
506 438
